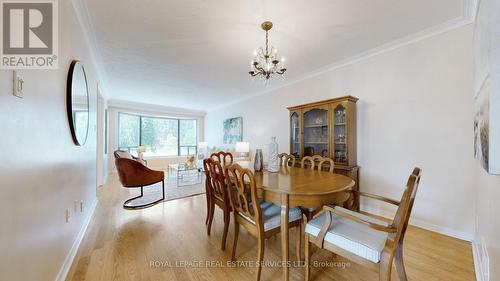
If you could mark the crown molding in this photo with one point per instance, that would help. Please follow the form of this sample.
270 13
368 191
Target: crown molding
468 14
83 16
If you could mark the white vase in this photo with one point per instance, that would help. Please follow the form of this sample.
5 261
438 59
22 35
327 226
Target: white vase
273 163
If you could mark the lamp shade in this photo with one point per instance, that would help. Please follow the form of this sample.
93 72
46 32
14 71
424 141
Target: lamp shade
242 147
202 145
141 149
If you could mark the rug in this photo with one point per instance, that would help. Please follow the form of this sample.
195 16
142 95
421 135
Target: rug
189 187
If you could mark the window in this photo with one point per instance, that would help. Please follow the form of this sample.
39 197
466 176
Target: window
187 137
160 136
128 130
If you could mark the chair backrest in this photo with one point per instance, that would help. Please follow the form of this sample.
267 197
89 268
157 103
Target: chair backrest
317 158
215 179
326 164
243 180
286 159
307 163
134 174
225 158
122 154
403 213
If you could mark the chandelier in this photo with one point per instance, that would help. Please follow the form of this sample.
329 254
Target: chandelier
266 62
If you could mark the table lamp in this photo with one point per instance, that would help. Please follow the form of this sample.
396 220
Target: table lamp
202 150
242 149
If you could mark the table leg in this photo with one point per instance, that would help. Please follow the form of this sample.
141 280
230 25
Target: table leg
285 206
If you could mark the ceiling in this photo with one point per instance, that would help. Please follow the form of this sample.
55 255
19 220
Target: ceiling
196 53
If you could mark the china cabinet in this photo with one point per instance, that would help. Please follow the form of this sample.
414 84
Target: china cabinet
327 128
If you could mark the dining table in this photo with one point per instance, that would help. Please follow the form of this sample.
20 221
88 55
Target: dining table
291 187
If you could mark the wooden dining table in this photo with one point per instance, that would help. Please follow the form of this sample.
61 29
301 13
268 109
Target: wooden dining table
293 187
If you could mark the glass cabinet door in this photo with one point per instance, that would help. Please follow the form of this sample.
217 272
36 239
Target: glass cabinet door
316 132
295 135
340 138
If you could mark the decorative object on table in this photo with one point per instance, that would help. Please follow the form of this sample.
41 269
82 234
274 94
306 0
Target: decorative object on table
202 150
258 164
233 128
486 94
140 151
191 161
242 149
274 161
77 102
266 62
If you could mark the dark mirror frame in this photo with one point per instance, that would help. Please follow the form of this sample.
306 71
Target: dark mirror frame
69 102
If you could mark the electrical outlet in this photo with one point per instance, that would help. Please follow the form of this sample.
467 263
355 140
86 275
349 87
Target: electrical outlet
81 206
68 215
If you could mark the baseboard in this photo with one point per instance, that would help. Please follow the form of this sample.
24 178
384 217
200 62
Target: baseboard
481 261
425 225
63 272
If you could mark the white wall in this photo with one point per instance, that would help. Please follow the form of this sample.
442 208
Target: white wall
415 109
42 172
488 224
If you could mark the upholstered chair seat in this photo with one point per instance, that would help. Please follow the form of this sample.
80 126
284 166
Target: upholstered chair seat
271 215
351 236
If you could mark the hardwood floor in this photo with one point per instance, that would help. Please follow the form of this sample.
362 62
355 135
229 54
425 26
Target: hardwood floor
169 242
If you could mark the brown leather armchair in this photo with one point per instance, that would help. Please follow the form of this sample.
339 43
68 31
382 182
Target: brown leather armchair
134 174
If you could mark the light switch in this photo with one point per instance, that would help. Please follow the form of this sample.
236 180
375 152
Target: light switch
68 215
17 85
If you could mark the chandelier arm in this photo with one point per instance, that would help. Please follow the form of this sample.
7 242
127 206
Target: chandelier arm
260 69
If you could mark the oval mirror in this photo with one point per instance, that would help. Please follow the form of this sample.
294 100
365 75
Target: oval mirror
77 102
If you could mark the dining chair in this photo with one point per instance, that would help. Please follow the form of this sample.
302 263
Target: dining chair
215 183
363 238
307 163
326 164
317 158
225 158
286 159
262 219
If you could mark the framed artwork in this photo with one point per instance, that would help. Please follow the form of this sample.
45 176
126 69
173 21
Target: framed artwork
482 125
233 129
486 93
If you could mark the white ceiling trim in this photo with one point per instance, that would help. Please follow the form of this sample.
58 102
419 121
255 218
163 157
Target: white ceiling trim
83 16
467 17
154 109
